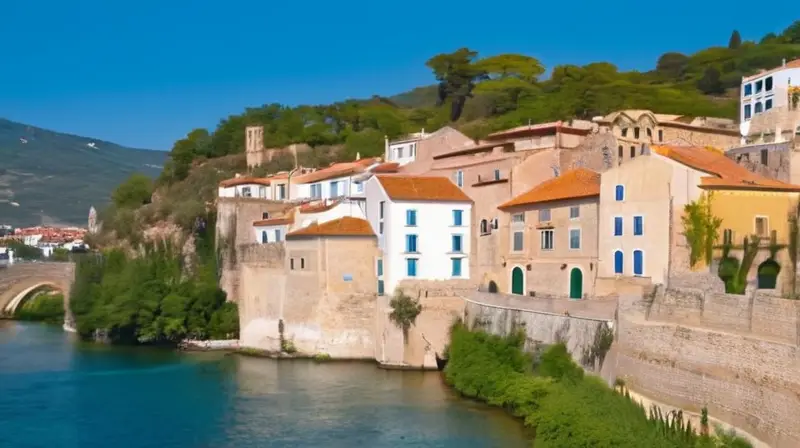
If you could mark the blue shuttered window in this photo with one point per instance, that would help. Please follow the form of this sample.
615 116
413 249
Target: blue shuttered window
638 262
617 226
618 262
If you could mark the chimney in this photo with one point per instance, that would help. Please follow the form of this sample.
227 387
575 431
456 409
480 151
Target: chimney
358 156
784 62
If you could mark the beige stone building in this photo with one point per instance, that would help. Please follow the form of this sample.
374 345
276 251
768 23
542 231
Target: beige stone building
548 237
257 154
317 291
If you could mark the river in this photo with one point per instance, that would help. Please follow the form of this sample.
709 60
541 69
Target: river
58 392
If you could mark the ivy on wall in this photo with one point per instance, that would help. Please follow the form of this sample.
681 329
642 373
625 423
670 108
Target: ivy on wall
700 229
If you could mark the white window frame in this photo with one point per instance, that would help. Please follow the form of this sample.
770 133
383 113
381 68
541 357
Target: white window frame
513 233
633 264
755 226
614 225
575 207
633 230
580 238
542 233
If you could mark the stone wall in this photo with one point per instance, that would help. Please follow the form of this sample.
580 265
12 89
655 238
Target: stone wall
778 164
737 355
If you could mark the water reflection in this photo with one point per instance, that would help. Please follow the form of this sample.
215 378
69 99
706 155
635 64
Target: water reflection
57 392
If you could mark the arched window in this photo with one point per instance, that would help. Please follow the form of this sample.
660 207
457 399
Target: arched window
484 227
649 132
619 262
638 263
264 237
619 193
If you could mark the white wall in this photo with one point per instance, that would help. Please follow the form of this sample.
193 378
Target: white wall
403 152
434 231
778 94
272 235
348 208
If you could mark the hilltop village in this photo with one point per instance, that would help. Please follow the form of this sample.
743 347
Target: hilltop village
639 219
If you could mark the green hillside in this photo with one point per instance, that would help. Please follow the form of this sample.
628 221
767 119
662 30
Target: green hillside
56 177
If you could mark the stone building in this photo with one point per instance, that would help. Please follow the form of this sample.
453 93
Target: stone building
548 237
257 154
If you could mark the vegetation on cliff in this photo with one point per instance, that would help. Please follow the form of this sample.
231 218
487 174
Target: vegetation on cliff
47 308
153 297
564 407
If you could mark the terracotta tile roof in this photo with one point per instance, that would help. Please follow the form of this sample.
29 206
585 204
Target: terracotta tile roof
317 207
577 183
537 129
244 180
345 226
789 64
725 173
336 170
422 188
388 167
483 147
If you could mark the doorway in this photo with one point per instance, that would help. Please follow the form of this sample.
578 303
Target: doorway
517 281
575 284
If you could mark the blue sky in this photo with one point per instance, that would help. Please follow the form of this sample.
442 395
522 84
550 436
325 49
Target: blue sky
144 73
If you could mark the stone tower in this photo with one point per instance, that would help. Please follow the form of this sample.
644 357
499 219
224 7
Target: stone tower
254 145
93 227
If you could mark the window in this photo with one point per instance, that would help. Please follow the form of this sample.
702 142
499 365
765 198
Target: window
518 218
618 226
496 174
633 152
316 191
484 227
381 288
400 152
660 135
380 267
411 218
747 112
636 133
264 237
458 216
460 178
748 89
456 244
624 132
759 86
262 192
456 267
620 152
759 107
768 84
246 192
412 150
518 241
638 262
495 224
547 239
334 189
727 236
277 235
619 193
762 226
411 243
638 225
359 187
380 228
575 212
618 262
768 104
411 267
291 263
544 215
380 209
302 263
574 238
281 191
649 133
764 157
264 215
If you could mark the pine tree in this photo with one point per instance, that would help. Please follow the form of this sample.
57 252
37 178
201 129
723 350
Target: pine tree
735 40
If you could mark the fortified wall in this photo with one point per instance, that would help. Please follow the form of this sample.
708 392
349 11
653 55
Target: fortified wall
736 354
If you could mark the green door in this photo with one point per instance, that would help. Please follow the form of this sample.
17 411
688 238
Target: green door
517 281
575 284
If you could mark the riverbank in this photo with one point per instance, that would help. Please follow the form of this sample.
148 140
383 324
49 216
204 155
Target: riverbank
557 400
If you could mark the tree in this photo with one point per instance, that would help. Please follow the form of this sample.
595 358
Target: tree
672 65
457 76
735 41
134 192
791 35
710 83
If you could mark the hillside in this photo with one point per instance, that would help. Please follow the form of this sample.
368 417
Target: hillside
56 177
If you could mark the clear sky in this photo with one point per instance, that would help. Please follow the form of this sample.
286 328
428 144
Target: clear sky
143 73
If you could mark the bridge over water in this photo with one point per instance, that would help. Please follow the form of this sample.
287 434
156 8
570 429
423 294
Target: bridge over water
19 280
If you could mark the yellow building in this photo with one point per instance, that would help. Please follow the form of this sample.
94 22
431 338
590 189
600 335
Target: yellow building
642 204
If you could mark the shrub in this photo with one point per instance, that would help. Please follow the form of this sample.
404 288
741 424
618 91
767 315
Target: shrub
404 311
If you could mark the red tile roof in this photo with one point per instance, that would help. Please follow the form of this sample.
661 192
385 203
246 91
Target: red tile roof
422 188
336 170
577 183
345 226
725 173
282 221
388 167
318 207
244 180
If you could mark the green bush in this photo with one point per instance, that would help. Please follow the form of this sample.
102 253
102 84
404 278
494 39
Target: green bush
48 308
564 407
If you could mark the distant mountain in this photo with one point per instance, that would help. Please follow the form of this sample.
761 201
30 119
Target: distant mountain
47 177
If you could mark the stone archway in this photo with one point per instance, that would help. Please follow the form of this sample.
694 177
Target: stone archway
11 306
19 280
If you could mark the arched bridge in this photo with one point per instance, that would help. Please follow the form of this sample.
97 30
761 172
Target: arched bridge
20 279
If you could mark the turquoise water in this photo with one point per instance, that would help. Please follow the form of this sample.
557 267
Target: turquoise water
56 392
